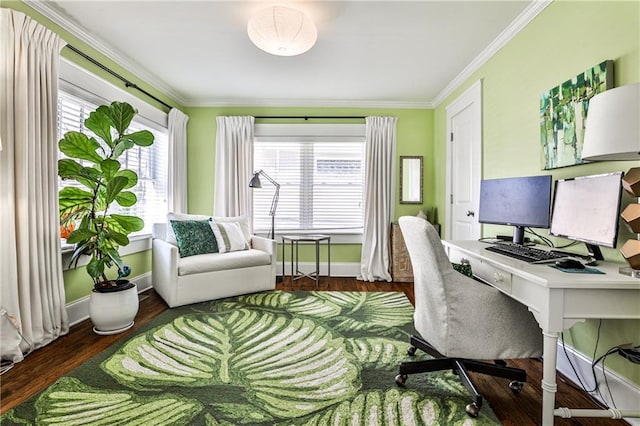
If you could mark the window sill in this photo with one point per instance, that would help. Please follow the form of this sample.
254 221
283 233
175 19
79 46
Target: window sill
137 244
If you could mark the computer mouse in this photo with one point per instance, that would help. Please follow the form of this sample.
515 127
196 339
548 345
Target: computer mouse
569 264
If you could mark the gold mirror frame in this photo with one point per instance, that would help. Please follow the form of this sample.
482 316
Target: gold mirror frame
411 173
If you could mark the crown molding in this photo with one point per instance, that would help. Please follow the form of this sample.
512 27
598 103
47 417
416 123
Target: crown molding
521 21
333 103
50 12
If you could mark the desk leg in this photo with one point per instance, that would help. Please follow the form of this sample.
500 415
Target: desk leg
549 387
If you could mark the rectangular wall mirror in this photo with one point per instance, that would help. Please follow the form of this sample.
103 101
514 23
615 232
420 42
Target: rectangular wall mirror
410 179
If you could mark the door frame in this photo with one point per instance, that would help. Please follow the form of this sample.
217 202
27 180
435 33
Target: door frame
470 98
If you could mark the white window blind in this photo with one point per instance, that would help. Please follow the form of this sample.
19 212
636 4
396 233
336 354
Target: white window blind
320 169
150 163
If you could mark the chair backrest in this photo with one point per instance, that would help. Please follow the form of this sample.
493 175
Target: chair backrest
431 271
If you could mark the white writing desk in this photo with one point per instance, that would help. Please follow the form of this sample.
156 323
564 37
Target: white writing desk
557 299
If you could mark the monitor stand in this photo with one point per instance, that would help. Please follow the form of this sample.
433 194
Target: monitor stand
594 251
518 235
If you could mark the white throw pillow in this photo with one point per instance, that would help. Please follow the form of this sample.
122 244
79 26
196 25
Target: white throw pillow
171 236
242 221
229 236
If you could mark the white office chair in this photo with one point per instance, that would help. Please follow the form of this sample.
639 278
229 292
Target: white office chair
460 320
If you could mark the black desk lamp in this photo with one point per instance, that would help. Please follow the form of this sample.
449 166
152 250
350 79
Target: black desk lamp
255 183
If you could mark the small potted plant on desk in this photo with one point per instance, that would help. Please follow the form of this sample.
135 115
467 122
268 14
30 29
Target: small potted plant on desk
85 208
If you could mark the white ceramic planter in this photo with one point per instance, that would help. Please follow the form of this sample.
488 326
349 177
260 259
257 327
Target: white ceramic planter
113 312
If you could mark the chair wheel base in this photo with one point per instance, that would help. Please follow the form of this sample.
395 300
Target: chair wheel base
516 386
401 379
472 410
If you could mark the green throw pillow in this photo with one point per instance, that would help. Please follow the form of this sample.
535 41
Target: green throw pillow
194 237
463 268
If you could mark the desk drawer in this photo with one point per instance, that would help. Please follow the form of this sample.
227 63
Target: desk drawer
484 271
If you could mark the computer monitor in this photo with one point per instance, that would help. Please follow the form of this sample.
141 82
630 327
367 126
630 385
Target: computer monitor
517 201
586 209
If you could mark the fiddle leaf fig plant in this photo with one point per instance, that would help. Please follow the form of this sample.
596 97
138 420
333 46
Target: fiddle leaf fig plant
93 162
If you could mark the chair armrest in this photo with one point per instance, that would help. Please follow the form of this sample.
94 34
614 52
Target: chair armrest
269 246
264 244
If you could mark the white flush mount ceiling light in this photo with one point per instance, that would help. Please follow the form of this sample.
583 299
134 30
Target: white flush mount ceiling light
282 31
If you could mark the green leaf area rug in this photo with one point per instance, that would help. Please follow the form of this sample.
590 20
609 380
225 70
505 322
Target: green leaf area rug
273 358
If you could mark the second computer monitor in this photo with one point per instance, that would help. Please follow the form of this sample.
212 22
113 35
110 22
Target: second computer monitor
586 209
518 201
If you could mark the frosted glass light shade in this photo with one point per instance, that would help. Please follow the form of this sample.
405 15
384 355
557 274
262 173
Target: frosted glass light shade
612 129
282 31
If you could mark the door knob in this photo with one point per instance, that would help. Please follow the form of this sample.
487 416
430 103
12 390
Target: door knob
470 213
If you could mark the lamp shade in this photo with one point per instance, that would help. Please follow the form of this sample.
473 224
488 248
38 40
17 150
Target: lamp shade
282 31
255 181
612 129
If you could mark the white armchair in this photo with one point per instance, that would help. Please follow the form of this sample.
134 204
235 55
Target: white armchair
181 281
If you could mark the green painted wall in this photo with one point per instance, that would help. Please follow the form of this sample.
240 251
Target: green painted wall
567 38
414 137
77 283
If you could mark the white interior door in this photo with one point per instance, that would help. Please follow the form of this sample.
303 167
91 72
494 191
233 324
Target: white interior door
464 162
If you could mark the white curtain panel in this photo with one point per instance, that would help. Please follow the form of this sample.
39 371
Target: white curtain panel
234 166
31 284
177 161
380 195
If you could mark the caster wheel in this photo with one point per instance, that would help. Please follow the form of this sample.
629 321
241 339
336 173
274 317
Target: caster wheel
515 386
412 350
472 410
500 362
401 379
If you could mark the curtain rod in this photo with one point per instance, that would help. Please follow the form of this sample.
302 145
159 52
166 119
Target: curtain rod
126 82
307 117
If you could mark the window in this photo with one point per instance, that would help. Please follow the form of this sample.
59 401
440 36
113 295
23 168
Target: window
320 169
150 163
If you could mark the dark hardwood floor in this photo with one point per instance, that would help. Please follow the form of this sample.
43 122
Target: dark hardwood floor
43 367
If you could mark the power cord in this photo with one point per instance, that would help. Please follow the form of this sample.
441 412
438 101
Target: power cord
6 365
627 351
630 353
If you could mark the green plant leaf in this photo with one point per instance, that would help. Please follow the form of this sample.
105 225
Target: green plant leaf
114 186
141 138
71 198
68 168
109 168
128 223
120 239
126 199
119 114
288 367
78 145
80 235
131 176
99 124
120 147
95 267
70 402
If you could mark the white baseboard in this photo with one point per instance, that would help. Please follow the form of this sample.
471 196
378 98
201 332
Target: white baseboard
78 310
338 269
625 394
